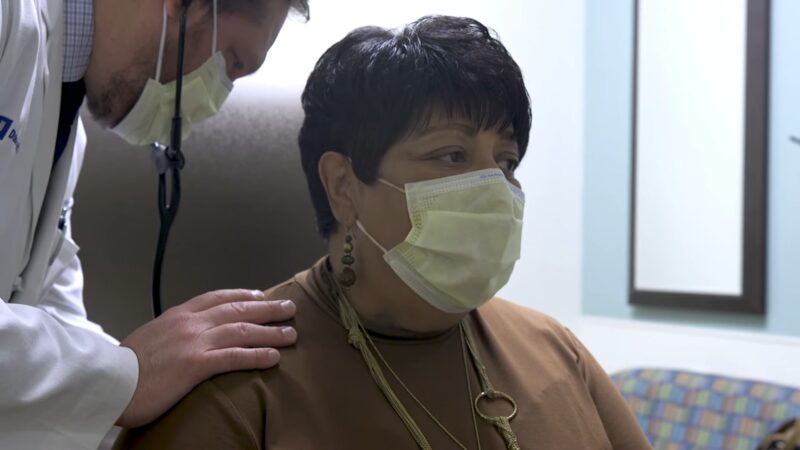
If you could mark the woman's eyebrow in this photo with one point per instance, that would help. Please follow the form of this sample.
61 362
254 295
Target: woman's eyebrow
468 130
508 134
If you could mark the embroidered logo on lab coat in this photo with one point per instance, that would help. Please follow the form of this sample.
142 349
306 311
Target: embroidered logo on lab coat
7 131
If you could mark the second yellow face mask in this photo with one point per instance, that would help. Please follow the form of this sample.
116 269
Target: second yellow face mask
204 91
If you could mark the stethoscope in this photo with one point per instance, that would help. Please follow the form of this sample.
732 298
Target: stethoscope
169 161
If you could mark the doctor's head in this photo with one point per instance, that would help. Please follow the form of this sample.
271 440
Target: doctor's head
135 53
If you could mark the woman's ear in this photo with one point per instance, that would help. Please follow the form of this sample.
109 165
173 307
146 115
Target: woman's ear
339 182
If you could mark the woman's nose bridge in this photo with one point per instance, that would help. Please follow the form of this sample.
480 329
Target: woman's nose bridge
484 159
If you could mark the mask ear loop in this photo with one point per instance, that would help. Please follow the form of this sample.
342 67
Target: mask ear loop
393 186
361 227
162 43
380 180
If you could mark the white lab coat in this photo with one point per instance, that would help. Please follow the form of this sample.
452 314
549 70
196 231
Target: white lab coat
63 382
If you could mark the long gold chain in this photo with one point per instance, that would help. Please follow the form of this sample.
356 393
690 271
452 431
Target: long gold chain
417 401
502 423
469 387
361 340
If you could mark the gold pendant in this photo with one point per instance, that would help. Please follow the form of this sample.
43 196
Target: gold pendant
502 423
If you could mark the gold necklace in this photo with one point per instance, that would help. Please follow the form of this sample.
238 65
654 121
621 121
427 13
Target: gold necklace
502 423
420 404
361 340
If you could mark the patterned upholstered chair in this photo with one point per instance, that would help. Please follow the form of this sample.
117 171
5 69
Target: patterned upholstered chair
681 410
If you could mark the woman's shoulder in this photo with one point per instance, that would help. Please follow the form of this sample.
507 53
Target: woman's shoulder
307 290
304 284
499 309
292 287
212 415
512 321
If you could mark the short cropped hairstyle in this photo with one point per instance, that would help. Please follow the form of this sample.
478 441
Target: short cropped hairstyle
376 87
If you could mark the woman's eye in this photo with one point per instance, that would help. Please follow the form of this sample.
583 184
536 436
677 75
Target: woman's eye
454 157
509 165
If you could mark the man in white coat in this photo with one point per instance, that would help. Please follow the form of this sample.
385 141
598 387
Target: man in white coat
63 382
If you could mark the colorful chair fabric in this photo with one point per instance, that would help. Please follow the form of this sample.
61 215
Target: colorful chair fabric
681 410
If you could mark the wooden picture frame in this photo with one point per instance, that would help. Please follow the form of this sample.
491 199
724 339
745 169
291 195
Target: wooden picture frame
750 297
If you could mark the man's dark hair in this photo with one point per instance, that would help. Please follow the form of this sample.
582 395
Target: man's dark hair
376 87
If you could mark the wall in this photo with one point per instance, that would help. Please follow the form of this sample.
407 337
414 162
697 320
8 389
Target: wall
737 344
546 39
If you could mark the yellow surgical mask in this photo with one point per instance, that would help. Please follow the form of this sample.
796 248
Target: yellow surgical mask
465 237
204 91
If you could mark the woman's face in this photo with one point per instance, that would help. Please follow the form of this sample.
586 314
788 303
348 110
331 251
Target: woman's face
445 148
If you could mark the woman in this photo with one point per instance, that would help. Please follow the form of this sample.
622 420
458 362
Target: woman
409 145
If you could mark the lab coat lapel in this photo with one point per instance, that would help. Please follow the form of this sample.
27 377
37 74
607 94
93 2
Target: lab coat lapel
48 183
52 12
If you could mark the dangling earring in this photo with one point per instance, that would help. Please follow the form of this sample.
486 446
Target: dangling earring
348 276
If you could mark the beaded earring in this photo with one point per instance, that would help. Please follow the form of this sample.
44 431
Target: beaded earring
348 276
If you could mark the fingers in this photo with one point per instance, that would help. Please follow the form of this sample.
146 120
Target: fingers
248 335
259 312
211 334
215 298
231 359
